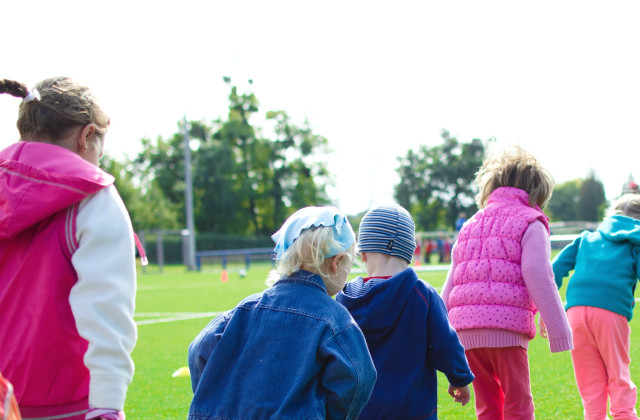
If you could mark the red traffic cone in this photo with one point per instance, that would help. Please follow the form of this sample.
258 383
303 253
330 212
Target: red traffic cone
224 277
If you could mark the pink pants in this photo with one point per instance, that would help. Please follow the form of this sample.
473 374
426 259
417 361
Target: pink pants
501 387
601 362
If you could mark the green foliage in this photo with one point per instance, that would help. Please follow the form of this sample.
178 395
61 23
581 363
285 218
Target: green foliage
564 202
299 176
162 163
148 209
437 182
243 183
592 199
578 199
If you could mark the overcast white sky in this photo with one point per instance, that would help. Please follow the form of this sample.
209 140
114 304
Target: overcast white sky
560 78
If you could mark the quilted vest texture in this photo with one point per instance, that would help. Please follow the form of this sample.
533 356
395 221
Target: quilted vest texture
489 291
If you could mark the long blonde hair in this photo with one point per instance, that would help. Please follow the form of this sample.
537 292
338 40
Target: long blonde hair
514 167
310 249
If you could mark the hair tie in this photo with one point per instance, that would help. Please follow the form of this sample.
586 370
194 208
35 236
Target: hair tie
33 94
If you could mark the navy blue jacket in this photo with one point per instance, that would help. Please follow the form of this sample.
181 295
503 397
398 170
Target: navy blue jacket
291 352
405 323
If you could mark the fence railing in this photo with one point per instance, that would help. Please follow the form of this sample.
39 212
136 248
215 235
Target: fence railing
562 233
224 254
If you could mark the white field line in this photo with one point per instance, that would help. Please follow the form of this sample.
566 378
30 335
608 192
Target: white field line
182 286
169 314
172 316
163 317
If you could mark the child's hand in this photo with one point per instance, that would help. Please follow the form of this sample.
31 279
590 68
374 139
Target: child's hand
461 395
542 327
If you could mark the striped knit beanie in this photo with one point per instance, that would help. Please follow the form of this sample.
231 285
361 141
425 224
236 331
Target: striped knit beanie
388 230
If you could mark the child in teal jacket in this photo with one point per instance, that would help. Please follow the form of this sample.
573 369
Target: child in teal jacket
600 302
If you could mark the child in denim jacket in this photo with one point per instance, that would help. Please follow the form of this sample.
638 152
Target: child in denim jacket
291 351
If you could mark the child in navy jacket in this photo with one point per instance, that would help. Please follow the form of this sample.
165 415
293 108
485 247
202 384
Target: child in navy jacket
404 321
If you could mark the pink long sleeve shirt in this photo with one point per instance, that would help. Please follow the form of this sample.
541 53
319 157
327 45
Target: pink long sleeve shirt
537 274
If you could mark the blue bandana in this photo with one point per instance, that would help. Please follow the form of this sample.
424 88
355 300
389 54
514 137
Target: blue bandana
308 217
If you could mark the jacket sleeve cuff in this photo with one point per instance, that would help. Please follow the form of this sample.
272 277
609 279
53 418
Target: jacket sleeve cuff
460 382
560 344
108 392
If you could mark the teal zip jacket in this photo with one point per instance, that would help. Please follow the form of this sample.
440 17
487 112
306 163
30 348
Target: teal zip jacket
606 266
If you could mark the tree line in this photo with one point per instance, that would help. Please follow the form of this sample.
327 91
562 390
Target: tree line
249 177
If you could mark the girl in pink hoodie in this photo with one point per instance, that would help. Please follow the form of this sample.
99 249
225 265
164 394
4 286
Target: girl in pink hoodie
500 276
67 262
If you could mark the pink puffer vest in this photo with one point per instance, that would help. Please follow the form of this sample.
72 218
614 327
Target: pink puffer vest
488 290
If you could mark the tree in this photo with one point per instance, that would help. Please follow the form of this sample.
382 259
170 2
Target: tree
148 207
578 200
244 182
592 199
161 165
239 134
298 175
565 200
436 183
216 187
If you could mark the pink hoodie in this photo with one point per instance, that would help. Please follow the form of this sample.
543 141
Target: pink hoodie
41 352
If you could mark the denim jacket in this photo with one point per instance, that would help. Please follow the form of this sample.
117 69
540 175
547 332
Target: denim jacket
291 352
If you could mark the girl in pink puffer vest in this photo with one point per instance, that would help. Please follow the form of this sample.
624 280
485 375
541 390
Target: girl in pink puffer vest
500 277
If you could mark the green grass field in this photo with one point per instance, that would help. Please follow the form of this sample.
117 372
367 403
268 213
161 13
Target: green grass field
173 307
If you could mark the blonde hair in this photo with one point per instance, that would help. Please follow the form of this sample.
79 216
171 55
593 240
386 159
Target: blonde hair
62 106
514 167
310 249
627 205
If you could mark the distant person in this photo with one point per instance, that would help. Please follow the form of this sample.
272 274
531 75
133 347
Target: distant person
291 351
459 222
500 276
447 245
404 321
417 253
440 248
600 302
429 247
67 260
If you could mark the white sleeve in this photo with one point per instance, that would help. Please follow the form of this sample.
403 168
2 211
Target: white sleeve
103 299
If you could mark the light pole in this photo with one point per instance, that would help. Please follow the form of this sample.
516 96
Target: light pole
188 193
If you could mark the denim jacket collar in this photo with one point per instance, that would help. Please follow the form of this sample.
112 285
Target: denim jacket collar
304 277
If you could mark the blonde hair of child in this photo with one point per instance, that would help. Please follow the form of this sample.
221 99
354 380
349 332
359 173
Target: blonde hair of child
627 205
310 249
514 167
63 105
